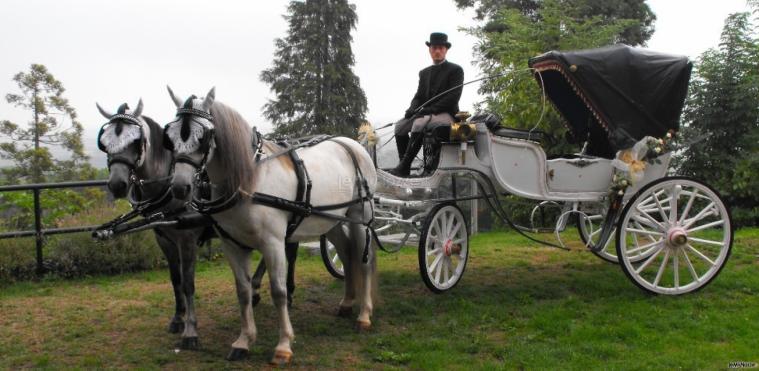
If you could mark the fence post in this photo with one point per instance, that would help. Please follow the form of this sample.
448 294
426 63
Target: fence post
38 229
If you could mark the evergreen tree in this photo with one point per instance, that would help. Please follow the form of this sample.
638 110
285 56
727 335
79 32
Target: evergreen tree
28 147
605 12
315 87
721 119
512 35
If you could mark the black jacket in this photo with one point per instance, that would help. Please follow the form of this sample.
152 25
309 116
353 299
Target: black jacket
434 80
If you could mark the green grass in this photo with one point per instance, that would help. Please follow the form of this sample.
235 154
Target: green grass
518 305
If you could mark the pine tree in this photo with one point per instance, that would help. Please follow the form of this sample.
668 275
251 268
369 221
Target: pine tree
721 119
315 88
28 148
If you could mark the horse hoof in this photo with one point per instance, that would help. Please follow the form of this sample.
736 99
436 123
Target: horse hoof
345 312
237 354
176 327
255 299
190 343
281 358
363 326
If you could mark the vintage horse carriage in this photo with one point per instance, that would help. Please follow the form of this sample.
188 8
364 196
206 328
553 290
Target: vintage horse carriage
671 235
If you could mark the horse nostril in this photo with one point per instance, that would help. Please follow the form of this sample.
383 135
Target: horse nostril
118 188
181 191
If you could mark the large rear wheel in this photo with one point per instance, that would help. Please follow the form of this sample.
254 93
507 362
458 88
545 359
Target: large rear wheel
684 230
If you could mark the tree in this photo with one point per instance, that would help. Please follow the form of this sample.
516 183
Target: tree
607 12
315 87
721 119
28 148
512 35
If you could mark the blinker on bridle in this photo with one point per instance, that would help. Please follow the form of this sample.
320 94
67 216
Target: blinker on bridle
126 119
186 113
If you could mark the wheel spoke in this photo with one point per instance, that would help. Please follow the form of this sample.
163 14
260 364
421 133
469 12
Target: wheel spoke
644 247
708 242
689 204
673 205
661 209
676 267
705 226
439 269
647 236
643 232
459 240
655 222
699 216
451 220
690 267
661 268
455 230
446 270
433 251
435 263
648 261
700 255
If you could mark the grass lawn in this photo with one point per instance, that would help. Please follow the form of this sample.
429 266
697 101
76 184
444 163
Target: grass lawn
518 305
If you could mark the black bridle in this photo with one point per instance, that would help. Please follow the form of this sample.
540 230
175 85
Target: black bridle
201 186
135 182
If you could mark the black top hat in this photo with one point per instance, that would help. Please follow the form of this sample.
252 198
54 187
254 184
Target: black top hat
438 38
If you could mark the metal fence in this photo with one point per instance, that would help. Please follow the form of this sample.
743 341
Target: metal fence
39 233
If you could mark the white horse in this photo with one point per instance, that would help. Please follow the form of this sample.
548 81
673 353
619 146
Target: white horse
139 167
210 135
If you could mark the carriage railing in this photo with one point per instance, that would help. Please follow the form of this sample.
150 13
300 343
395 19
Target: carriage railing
39 232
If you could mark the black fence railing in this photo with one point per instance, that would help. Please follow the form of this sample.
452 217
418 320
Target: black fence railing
39 233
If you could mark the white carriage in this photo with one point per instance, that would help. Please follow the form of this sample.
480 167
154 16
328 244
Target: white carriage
671 235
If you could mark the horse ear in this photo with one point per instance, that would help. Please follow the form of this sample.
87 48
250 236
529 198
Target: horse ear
177 101
103 112
138 110
210 97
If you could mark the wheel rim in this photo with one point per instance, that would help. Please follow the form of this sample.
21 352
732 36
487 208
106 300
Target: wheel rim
683 229
334 259
446 248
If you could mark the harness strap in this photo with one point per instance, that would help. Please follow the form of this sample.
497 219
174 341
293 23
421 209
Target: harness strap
303 193
223 234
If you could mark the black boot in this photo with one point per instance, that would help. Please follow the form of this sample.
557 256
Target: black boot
404 166
401 142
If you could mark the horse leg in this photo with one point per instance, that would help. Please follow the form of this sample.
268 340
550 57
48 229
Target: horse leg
277 264
239 261
256 282
338 237
363 273
171 252
188 252
291 252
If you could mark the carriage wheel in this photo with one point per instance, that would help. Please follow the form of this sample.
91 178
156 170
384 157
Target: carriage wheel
443 247
685 230
330 258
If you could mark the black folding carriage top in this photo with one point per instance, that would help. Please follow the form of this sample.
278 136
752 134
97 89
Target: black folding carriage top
615 96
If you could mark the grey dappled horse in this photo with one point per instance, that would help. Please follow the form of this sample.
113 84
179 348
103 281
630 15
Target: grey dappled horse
210 135
139 168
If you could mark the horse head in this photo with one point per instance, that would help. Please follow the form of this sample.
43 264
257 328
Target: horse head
190 137
125 139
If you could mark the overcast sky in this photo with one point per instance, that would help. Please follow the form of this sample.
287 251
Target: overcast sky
118 51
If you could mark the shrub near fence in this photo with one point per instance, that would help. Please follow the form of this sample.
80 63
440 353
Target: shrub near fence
77 254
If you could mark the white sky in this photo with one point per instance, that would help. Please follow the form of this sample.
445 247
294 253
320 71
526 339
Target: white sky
118 51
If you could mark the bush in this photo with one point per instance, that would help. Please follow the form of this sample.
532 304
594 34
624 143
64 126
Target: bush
79 255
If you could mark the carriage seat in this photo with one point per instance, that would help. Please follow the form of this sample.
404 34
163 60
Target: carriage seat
493 123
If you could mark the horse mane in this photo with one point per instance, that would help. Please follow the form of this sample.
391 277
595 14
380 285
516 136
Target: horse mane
233 146
158 155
